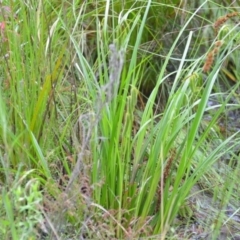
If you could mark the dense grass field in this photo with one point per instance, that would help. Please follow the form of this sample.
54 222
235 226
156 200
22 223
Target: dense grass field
119 119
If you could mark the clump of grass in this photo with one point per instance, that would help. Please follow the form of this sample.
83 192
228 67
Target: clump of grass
106 166
131 170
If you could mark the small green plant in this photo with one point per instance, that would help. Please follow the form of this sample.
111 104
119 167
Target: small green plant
23 210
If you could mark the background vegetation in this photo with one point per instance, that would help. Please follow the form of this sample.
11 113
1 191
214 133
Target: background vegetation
119 119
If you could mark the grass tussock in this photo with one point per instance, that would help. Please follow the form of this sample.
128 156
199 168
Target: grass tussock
116 124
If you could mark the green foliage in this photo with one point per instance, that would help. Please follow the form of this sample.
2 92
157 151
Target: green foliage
78 137
23 213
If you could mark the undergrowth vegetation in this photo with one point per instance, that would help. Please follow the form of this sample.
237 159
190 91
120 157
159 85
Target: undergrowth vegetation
119 119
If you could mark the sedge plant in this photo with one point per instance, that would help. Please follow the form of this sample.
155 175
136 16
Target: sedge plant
77 135
142 168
